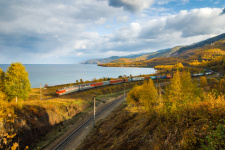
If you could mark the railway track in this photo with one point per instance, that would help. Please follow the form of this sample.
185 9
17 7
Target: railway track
77 131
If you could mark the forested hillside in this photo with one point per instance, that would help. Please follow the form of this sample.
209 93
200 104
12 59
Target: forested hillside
202 43
194 55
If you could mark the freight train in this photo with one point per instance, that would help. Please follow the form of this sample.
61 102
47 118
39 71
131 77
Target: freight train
80 87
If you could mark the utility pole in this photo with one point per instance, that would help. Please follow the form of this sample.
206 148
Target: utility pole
124 90
40 92
94 113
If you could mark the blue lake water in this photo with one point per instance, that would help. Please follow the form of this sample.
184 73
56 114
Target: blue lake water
56 74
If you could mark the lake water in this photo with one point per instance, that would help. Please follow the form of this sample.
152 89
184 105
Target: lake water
56 74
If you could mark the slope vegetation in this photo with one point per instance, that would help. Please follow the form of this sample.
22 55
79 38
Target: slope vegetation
185 117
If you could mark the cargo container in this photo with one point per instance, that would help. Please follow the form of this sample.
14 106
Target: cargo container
135 79
120 81
138 79
98 84
106 82
130 79
163 77
113 81
147 78
153 77
169 76
126 80
85 86
194 75
141 78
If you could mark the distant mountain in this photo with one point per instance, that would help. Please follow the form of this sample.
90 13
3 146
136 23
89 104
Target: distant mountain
170 52
100 60
202 43
133 57
159 53
109 59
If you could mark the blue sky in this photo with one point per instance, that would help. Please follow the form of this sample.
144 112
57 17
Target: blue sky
65 32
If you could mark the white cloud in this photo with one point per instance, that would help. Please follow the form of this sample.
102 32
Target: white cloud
50 28
122 19
197 22
79 45
100 21
79 54
55 31
128 32
186 27
162 2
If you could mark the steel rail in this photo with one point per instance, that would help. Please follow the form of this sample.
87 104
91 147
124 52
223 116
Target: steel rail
78 130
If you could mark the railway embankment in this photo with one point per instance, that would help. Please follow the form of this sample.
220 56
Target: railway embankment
39 122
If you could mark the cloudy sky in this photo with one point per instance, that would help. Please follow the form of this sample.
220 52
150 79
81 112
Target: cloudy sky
72 31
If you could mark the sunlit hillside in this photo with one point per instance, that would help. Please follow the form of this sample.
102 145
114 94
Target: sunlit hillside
185 115
205 51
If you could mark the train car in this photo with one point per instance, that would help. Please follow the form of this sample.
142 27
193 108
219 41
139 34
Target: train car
60 91
98 84
169 76
161 77
138 79
147 78
120 81
194 75
86 86
126 80
67 90
134 79
113 81
153 77
141 78
106 82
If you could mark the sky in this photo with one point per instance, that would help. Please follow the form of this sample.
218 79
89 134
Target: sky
73 31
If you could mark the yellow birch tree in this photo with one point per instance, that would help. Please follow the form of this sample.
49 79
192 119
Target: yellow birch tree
16 82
